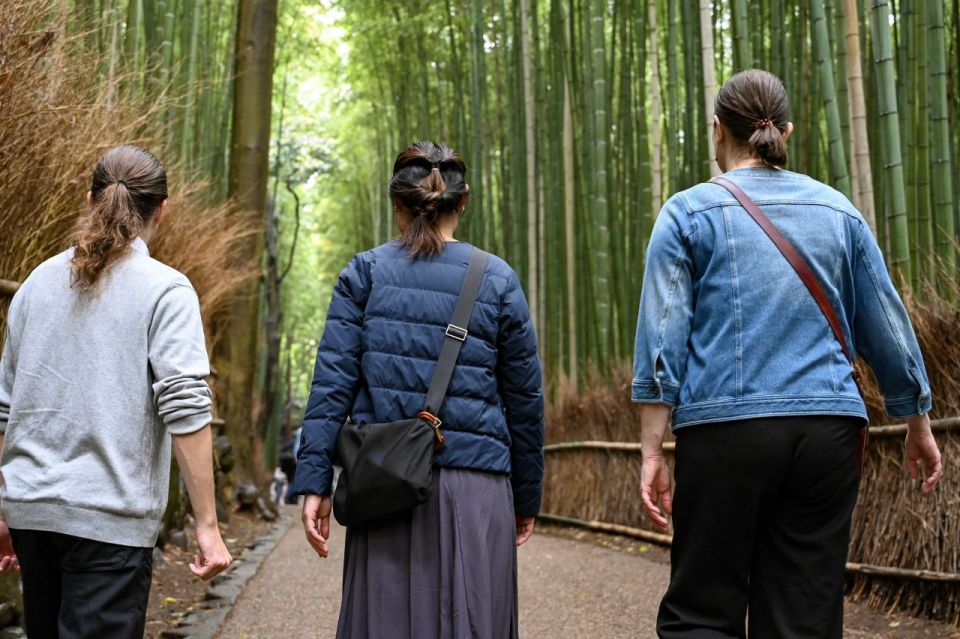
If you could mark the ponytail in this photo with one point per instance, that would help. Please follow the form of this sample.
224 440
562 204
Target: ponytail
753 106
428 183
129 185
767 143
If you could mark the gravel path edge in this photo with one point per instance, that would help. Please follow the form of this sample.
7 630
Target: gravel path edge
226 588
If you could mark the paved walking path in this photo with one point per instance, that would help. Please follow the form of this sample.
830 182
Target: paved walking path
568 588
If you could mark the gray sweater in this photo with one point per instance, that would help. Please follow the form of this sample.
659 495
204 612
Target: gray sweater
92 385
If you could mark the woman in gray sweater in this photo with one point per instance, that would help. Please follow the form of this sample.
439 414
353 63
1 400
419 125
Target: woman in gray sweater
104 361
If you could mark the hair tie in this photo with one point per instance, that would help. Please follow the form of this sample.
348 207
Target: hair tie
762 123
124 183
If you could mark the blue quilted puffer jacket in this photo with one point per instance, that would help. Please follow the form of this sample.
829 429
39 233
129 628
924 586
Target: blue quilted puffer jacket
383 335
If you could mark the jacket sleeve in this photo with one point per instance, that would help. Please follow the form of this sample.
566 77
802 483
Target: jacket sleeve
178 358
336 378
883 334
666 310
521 391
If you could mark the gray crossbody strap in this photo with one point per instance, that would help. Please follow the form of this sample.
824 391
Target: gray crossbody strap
456 332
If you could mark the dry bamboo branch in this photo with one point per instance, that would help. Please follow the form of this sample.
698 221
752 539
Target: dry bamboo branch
628 531
8 288
903 573
889 430
894 430
633 447
666 540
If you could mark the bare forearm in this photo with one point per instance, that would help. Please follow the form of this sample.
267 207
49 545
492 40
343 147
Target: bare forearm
654 423
194 454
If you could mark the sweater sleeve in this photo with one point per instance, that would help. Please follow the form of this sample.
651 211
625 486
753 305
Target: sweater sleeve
336 378
178 359
520 386
8 362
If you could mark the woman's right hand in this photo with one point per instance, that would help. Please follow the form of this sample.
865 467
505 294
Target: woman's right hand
316 522
524 529
921 453
213 557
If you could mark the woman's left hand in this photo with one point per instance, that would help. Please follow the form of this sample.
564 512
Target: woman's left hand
655 489
316 522
524 528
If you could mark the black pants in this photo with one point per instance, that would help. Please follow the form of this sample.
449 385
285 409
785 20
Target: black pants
76 588
761 518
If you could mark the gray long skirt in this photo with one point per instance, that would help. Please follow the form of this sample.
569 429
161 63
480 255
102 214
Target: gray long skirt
446 570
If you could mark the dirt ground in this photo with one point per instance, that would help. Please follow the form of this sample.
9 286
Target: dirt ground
176 592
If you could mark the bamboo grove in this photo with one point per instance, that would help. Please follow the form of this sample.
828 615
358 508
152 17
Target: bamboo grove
176 52
577 119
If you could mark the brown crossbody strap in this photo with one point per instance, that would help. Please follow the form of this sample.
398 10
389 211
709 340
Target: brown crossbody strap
796 261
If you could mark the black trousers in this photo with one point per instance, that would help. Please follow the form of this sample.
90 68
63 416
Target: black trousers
761 518
77 588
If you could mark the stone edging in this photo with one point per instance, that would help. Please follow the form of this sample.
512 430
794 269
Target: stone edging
224 590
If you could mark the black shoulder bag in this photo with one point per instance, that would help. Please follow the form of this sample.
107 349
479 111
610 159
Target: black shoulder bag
803 269
388 468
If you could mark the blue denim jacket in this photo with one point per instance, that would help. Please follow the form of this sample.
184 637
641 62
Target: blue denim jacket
728 331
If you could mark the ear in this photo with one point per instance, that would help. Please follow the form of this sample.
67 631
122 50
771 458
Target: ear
160 213
89 198
718 131
787 131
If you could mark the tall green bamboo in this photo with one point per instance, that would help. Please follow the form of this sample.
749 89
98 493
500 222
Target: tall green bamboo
890 147
741 45
941 169
599 210
656 175
838 160
709 80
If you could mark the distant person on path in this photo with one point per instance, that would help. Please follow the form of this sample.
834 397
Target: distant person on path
448 568
280 485
288 464
763 399
104 361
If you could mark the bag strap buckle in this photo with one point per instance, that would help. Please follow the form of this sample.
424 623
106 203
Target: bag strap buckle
434 421
456 332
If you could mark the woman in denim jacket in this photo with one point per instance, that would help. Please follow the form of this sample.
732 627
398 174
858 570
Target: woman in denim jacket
732 348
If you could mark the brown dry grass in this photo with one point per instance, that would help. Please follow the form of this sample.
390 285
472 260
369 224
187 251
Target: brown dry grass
892 526
57 116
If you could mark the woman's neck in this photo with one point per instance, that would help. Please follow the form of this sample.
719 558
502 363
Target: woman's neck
447 226
746 163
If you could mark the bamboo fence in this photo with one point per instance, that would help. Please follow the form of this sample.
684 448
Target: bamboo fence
904 551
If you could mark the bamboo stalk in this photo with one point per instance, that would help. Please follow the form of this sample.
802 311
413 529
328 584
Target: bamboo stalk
709 77
631 447
821 41
667 540
602 526
656 127
903 573
898 235
532 283
858 117
888 430
569 210
894 430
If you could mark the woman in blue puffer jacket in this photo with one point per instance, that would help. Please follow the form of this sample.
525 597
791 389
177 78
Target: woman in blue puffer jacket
448 567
